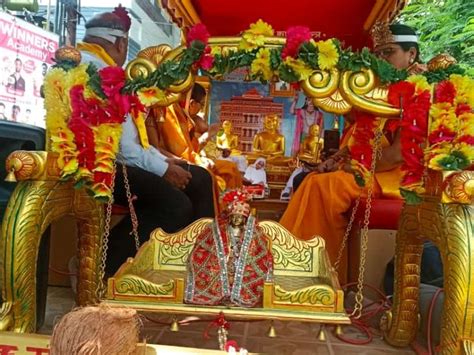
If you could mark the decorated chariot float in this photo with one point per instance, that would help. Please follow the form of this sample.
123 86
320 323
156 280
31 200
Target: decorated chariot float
75 175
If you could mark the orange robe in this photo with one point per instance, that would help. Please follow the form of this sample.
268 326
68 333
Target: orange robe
320 205
177 140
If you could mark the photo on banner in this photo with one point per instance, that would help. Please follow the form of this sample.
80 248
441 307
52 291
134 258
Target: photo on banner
26 54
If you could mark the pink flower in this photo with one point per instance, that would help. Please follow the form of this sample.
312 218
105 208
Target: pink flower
207 60
295 37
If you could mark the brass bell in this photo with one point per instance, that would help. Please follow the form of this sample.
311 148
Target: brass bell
271 331
322 334
174 325
339 330
11 176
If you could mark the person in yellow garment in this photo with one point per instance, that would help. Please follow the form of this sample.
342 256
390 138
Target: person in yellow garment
320 204
177 136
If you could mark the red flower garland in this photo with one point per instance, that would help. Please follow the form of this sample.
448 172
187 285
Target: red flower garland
199 33
414 126
445 92
88 113
360 145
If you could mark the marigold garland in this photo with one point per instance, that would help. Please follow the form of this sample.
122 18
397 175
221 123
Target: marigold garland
451 135
85 125
85 128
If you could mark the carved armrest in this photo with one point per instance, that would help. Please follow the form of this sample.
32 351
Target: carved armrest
303 277
32 165
158 271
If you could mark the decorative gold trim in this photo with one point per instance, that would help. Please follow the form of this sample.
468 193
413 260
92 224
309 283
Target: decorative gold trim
34 165
358 90
236 313
451 186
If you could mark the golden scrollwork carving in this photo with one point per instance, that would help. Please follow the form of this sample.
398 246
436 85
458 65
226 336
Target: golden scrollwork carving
291 255
139 67
321 83
335 103
312 295
149 59
155 54
358 90
174 248
26 165
459 187
33 206
139 286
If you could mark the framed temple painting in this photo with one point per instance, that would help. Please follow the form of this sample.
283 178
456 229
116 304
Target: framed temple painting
281 88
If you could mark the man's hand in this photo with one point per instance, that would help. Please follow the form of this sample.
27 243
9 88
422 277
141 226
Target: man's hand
417 68
177 176
176 160
328 166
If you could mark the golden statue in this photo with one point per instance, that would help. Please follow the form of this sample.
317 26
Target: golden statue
228 140
269 142
311 145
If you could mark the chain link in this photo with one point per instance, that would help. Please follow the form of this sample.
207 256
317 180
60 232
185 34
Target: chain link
376 154
346 235
101 286
133 214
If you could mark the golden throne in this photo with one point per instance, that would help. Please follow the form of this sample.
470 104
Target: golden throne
304 286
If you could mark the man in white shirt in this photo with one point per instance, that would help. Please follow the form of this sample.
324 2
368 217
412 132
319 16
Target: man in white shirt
170 193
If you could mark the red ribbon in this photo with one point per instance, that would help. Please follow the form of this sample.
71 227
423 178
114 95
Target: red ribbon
219 322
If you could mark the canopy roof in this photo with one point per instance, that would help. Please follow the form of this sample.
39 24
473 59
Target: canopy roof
347 20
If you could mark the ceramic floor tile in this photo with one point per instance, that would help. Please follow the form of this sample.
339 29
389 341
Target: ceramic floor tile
369 350
285 346
294 330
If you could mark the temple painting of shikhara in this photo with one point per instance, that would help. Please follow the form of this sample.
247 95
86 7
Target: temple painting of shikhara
246 113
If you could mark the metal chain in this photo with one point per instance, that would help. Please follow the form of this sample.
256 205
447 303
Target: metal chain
346 235
376 154
133 215
101 286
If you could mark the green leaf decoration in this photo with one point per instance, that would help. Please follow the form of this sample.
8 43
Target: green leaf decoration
275 58
287 74
95 81
438 75
457 160
410 197
308 53
359 180
66 65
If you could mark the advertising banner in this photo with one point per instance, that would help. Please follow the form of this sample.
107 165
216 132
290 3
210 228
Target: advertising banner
26 53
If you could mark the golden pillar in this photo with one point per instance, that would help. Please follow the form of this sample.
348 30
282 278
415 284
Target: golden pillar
39 199
446 217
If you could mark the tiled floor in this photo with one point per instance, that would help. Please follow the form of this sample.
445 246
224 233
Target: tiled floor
292 337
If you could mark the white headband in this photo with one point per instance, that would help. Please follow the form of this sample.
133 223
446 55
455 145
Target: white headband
109 34
405 38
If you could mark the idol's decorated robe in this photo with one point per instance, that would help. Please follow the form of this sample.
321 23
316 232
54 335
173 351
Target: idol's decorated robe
218 276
